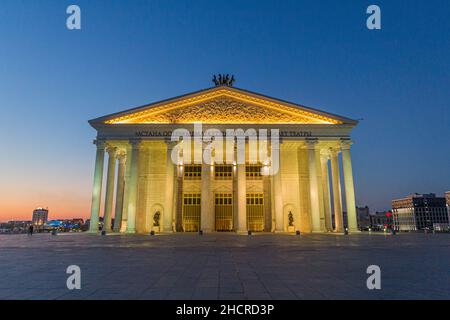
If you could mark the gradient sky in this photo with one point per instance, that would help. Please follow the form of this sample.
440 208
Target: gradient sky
128 53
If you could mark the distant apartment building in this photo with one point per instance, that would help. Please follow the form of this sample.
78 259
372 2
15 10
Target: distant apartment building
376 221
419 212
380 220
447 201
40 216
14 226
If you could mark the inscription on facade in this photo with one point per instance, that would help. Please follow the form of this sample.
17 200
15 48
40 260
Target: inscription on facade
169 133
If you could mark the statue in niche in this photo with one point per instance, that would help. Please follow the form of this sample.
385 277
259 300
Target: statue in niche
156 218
291 219
291 227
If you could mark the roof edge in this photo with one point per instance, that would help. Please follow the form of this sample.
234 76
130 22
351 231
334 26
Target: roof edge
102 119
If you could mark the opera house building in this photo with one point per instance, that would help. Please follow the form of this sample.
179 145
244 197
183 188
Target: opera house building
223 159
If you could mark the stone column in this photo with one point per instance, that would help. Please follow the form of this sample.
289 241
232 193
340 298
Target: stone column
336 181
235 198
320 190
326 191
110 181
168 208
278 196
206 219
349 186
178 199
120 192
241 194
97 187
123 227
267 204
133 185
313 185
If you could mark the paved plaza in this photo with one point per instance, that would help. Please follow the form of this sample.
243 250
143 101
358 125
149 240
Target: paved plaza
225 266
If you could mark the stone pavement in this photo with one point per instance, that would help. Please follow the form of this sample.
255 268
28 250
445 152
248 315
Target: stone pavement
225 266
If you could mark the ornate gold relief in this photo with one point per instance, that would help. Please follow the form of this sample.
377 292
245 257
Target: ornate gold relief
224 106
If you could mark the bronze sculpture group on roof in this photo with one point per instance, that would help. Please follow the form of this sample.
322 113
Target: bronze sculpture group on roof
223 80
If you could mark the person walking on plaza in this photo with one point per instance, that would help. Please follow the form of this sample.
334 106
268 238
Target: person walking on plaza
30 230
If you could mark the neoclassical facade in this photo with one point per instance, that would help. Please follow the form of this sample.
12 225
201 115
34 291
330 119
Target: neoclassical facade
146 190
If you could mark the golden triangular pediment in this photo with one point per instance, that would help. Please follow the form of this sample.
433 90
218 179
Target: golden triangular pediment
223 105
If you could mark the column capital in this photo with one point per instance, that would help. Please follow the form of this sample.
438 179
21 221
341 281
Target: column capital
311 143
346 143
121 156
170 144
334 151
280 141
135 143
100 143
111 150
325 155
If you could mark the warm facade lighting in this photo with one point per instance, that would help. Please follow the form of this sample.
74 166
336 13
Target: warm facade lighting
222 107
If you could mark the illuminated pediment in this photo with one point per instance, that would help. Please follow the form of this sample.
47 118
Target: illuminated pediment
221 105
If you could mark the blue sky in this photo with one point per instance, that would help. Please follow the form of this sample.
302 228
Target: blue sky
128 53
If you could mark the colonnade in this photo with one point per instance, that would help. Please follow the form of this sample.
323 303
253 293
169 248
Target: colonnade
126 193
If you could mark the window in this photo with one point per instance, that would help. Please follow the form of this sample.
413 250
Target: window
192 172
223 171
192 199
255 199
253 171
224 199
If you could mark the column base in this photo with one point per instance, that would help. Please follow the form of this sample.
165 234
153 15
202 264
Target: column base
167 229
130 231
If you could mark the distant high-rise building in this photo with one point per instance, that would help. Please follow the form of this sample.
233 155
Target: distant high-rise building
419 212
363 215
447 201
40 216
447 198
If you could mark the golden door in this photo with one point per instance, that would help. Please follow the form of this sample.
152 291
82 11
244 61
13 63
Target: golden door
224 211
191 212
255 212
